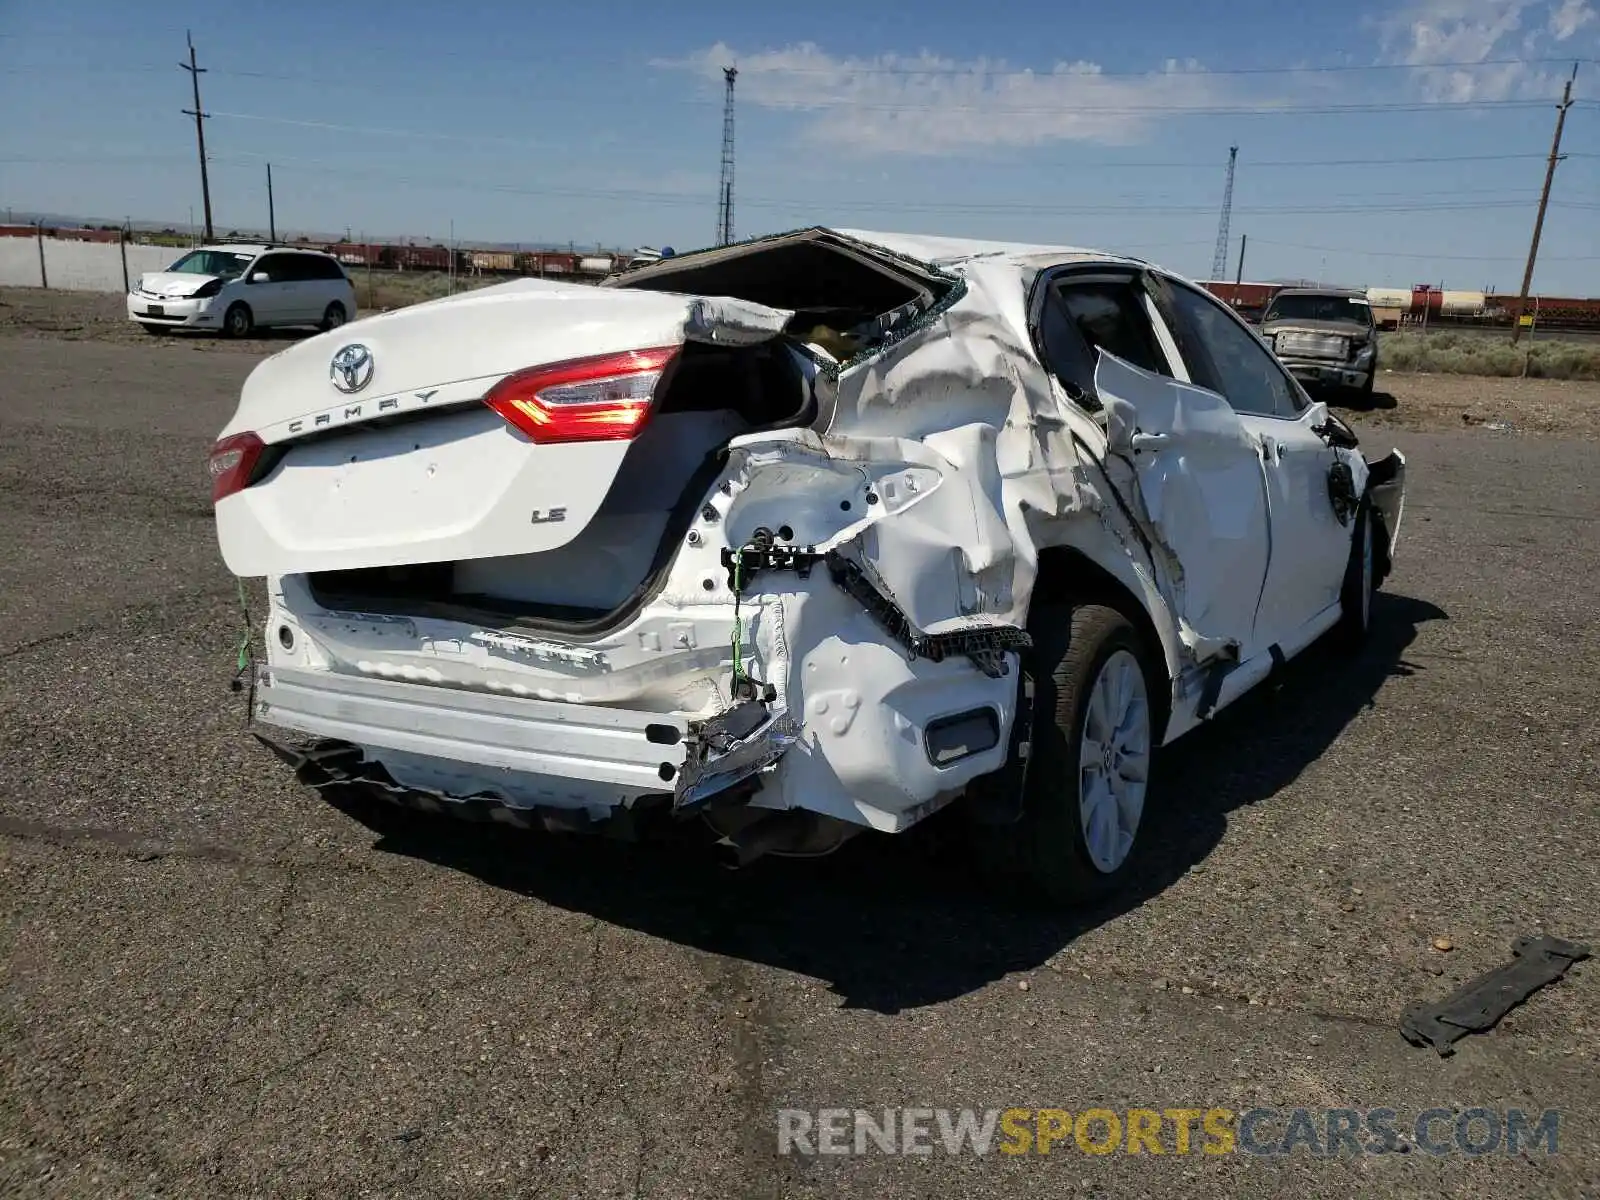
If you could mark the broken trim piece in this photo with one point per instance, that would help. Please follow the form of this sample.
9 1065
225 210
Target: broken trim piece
1479 1004
729 749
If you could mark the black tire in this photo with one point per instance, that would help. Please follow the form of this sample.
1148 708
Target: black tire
333 316
1360 578
1371 382
1046 854
239 321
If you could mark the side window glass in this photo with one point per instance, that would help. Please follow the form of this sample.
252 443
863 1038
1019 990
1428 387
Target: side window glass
1246 372
272 266
1111 316
1080 319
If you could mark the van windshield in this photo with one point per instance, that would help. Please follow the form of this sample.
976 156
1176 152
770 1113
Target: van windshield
222 263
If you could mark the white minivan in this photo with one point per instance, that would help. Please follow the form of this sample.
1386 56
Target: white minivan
236 288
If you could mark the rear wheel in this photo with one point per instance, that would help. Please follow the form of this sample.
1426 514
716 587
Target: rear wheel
238 322
333 316
1096 727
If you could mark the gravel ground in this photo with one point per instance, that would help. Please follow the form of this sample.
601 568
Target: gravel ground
215 984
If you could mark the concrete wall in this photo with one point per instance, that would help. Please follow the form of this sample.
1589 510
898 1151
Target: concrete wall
78 266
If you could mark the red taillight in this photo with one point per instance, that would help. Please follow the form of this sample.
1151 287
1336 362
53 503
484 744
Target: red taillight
233 460
606 398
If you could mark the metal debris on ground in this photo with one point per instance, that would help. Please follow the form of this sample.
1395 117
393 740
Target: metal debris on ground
1480 1003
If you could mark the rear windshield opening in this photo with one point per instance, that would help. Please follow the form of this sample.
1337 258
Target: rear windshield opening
843 296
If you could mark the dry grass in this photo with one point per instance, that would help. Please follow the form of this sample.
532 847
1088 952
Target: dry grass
1447 353
383 290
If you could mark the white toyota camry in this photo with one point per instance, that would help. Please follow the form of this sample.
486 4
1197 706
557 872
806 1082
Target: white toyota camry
795 538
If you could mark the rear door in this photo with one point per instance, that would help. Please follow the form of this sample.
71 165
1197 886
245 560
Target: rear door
1196 469
272 298
319 285
1310 545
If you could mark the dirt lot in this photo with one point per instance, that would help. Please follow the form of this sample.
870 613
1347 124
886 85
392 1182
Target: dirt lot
1418 402
216 984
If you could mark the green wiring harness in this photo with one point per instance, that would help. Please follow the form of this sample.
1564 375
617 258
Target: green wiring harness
738 622
244 642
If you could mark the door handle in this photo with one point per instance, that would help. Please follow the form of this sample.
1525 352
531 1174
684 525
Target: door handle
1271 449
1148 441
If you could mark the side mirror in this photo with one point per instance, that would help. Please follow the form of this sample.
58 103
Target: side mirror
261 277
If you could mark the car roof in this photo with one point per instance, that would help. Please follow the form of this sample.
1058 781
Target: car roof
1350 293
261 248
940 250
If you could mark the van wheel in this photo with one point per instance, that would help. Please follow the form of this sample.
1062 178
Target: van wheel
238 322
333 316
1096 727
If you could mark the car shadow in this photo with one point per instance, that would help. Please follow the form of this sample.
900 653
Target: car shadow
903 922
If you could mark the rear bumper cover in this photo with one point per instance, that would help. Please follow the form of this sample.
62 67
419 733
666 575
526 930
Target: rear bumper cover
617 748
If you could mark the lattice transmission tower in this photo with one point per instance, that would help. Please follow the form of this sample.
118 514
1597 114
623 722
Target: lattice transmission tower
725 188
1219 261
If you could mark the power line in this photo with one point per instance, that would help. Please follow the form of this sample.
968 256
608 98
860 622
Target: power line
1081 109
1052 73
836 203
846 68
1076 165
1273 164
1413 254
1053 108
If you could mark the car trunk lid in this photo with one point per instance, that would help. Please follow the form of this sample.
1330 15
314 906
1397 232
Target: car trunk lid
374 448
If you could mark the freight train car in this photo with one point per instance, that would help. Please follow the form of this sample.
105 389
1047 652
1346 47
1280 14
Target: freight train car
491 262
1249 300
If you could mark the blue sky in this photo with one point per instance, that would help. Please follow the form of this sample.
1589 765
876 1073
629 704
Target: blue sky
1097 124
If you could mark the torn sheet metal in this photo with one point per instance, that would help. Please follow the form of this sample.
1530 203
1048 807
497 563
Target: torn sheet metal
732 747
1479 1004
1017 458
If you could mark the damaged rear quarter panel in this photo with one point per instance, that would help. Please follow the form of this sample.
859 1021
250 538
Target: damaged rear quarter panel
1021 465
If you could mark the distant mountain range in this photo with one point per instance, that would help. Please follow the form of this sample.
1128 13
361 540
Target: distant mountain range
17 216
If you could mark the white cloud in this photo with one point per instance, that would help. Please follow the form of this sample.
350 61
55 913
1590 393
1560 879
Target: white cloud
1570 17
1425 32
930 104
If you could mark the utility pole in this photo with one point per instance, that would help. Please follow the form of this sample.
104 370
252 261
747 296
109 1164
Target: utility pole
1244 240
1544 200
199 116
272 216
